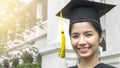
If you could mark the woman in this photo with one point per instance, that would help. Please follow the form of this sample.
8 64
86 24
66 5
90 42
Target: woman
85 31
85 38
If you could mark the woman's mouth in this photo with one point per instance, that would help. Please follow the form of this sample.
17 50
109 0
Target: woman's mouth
83 49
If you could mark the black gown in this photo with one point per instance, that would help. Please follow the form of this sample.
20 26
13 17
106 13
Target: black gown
101 65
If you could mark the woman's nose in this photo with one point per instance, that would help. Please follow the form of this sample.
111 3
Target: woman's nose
82 41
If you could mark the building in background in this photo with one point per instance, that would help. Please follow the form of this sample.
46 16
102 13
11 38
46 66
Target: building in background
48 40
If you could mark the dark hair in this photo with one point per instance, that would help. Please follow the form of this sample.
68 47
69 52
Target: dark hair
95 25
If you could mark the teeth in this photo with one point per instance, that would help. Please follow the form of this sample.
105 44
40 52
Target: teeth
83 48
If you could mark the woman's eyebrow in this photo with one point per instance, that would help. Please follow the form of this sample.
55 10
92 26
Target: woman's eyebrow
88 31
74 33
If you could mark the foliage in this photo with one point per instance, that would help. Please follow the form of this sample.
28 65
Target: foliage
0 66
38 58
29 65
16 20
15 62
27 57
6 63
8 19
2 48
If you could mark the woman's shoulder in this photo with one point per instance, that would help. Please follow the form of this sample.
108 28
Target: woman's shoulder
73 66
102 65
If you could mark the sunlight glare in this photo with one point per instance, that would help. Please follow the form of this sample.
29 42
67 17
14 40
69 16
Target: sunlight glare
26 1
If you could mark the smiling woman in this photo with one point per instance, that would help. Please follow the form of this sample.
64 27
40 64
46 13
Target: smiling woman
84 39
85 31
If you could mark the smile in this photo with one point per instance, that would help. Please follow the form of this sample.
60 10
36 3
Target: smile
84 49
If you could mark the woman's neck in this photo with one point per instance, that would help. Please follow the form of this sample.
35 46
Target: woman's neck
89 62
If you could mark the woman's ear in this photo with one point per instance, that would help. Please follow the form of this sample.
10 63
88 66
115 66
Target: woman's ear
101 38
102 42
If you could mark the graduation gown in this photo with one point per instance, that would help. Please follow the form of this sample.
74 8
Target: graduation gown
101 65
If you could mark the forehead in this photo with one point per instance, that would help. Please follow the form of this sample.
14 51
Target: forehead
82 26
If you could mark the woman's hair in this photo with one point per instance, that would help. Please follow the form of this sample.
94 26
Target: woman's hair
95 25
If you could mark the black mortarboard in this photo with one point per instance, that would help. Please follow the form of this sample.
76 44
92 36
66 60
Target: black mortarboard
84 10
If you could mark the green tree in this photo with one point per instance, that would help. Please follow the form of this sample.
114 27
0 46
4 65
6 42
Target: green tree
38 58
27 57
0 66
16 20
6 63
15 61
2 48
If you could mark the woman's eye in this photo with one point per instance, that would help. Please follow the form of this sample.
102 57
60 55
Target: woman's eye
75 36
89 35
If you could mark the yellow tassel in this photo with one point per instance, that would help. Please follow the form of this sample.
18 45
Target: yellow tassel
63 41
63 45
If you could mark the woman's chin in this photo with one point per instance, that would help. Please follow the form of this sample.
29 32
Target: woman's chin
85 55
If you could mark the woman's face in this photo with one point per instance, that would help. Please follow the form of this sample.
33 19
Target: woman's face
85 39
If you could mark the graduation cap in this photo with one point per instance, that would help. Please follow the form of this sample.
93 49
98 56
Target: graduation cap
84 10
